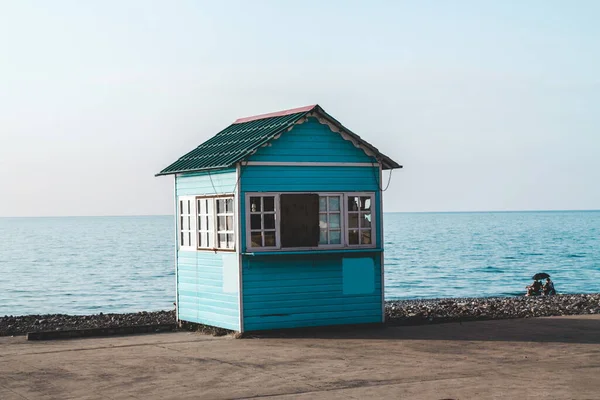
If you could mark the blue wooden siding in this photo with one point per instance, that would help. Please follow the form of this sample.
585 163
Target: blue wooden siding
208 292
204 296
206 183
289 292
311 142
263 178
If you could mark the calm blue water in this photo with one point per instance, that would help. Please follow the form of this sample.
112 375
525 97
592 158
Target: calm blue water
82 265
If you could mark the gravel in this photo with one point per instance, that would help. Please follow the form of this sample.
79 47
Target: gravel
408 312
20 325
398 312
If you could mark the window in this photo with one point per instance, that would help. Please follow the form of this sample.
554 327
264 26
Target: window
330 220
186 222
262 221
206 223
299 220
360 227
225 230
310 220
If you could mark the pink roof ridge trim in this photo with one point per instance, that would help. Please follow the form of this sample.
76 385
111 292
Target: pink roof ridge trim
275 114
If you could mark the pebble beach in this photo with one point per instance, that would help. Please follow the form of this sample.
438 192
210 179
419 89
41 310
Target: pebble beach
399 312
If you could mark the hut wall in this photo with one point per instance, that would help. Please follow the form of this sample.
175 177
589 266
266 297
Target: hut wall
315 289
207 281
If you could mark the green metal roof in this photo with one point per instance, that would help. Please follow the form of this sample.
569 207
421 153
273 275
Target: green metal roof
242 138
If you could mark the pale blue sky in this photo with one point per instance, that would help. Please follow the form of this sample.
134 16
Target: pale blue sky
489 105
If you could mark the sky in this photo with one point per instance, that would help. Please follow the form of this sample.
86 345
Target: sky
488 105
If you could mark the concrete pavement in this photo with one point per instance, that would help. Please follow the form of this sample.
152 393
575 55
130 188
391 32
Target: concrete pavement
550 358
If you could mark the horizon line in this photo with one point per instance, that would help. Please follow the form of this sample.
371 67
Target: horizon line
385 212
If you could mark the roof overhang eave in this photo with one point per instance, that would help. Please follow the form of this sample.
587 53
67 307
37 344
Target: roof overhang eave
185 171
386 162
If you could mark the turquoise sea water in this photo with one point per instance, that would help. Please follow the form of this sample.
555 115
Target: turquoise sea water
81 265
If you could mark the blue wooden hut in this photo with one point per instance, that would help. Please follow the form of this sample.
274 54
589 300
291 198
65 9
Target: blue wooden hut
279 225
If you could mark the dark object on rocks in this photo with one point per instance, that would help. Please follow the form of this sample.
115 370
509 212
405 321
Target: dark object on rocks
417 312
539 276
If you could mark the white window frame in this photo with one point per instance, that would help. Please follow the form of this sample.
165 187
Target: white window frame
372 211
192 216
344 226
210 224
342 197
195 243
249 229
225 214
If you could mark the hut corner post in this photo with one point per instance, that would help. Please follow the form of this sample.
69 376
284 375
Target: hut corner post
382 269
238 246
176 225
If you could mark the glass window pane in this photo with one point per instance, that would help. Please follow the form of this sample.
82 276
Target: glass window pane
203 239
334 203
323 221
353 203
353 236
335 237
365 203
229 205
209 223
269 203
334 221
323 236
181 207
365 220
181 223
222 240
200 224
256 239
230 241
229 223
270 239
269 221
189 243
365 236
255 204
322 203
353 220
220 206
255 221
221 224
182 241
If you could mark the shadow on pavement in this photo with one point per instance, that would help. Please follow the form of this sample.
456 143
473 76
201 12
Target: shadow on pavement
573 329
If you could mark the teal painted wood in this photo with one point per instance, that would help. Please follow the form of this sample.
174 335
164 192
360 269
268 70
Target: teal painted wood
299 291
257 178
204 296
206 183
311 142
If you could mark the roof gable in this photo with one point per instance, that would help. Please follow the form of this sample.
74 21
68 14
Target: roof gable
246 135
311 141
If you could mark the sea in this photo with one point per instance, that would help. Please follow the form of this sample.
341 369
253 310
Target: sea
87 265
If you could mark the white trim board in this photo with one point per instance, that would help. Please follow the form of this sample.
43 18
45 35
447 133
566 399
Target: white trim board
310 164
